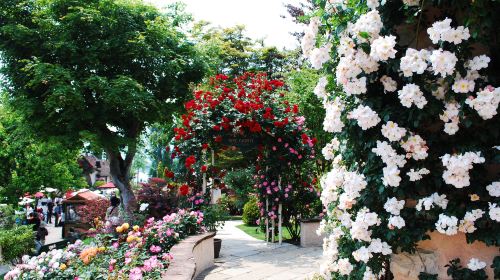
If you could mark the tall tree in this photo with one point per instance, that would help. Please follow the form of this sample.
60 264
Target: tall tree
98 70
26 163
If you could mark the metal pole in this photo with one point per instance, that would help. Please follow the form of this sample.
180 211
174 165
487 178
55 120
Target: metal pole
267 220
280 234
280 218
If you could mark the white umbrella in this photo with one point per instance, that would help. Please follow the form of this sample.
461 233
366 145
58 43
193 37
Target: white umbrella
50 190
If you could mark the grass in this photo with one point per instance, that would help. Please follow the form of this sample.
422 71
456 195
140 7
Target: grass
255 232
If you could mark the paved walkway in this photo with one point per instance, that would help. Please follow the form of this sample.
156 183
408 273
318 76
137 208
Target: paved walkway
55 233
244 257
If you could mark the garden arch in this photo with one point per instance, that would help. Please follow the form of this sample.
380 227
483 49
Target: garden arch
249 112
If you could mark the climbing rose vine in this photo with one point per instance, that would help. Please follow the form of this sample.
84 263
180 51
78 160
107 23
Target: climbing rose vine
412 101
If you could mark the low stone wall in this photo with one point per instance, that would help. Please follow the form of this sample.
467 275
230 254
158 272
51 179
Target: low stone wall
308 235
432 255
191 256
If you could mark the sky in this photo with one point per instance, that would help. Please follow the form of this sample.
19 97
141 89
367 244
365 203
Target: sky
261 17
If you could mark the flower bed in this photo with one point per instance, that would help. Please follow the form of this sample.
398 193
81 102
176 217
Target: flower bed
135 253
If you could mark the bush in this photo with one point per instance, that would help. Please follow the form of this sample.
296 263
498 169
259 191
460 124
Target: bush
99 183
241 182
7 217
16 242
251 212
215 216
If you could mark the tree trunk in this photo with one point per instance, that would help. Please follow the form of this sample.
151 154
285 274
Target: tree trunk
120 175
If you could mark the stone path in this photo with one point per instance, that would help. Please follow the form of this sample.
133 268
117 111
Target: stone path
244 257
55 234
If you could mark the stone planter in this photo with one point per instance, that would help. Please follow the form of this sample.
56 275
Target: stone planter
308 236
432 256
191 256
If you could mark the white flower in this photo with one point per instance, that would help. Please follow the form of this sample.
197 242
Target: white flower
463 86
396 221
443 62
388 154
372 4
346 46
475 264
368 63
458 166
394 206
360 227
320 89
486 102
431 201
365 116
411 94
370 24
382 48
415 147
494 189
330 184
344 267
442 31
447 224
391 176
355 86
309 38
353 184
494 212
377 246
330 148
467 224
389 84
450 117
332 122
414 62
143 207
319 56
392 131
362 254
441 90
416 175
478 62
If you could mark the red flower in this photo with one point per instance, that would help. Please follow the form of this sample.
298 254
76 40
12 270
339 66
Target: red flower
190 160
295 108
169 174
218 139
216 127
204 146
204 168
184 190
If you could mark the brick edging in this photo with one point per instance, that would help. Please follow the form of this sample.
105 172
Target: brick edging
183 265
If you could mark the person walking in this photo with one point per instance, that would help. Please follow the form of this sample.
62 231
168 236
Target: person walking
57 212
50 210
113 215
41 233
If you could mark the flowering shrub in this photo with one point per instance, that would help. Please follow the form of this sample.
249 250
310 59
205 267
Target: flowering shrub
92 210
252 108
410 99
138 253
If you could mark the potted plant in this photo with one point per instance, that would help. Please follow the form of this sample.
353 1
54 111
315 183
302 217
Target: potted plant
214 217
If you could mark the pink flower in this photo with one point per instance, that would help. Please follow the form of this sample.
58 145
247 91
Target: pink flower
257 222
116 245
128 254
300 120
135 274
167 257
128 260
155 249
274 148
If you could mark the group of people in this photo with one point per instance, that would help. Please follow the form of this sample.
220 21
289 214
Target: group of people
46 211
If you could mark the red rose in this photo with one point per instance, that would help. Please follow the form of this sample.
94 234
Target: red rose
169 174
204 168
190 160
218 139
184 190
204 146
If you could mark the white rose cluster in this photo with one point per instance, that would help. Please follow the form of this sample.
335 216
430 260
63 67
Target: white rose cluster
494 189
360 226
410 95
332 122
494 211
486 102
450 117
447 224
352 186
415 147
443 62
394 206
319 56
365 117
392 131
458 167
370 24
389 84
467 224
382 48
330 148
432 201
476 264
478 62
320 89
309 39
414 62
416 175
442 31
